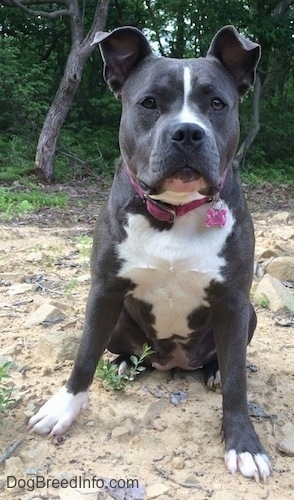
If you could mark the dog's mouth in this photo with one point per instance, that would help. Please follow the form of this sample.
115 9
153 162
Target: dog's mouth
185 180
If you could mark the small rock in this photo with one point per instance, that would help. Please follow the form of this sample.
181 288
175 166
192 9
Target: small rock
30 410
153 410
131 425
33 470
46 370
14 467
23 369
39 301
34 257
282 268
14 277
20 288
11 350
66 475
35 452
5 359
16 400
275 295
196 389
177 396
280 217
286 446
285 249
29 413
155 490
191 480
178 463
158 458
288 429
269 252
46 312
120 432
58 346
84 278
157 425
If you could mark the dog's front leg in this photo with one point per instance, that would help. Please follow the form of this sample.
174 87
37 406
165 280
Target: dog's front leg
103 309
243 450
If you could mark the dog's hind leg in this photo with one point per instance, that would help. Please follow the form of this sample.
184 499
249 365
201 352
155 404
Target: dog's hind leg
126 340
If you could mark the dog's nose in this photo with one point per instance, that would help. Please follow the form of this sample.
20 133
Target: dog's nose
187 134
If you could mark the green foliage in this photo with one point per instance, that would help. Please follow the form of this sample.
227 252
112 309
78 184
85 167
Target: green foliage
34 52
271 157
5 390
24 89
108 371
24 195
29 199
16 158
263 302
70 287
84 246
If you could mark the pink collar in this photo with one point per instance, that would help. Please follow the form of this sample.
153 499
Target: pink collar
164 211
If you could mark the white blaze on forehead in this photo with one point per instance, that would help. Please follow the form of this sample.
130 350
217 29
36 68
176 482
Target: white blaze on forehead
187 114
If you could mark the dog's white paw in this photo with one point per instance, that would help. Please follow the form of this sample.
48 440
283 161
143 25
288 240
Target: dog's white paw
214 381
56 416
257 466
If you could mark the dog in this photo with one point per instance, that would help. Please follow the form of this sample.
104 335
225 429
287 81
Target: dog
172 256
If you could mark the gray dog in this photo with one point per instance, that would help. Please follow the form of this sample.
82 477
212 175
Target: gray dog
172 257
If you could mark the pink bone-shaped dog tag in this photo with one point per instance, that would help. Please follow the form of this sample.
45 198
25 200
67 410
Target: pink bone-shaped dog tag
216 217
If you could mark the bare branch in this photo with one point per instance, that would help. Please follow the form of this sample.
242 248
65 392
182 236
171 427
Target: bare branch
255 125
36 13
282 7
99 19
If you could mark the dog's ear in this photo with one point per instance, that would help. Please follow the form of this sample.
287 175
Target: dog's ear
121 49
238 54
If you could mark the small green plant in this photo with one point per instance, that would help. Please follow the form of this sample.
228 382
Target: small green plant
84 246
263 302
54 256
70 286
108 371
5 392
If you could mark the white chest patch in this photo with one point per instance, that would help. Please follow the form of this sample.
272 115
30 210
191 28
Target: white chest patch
172 268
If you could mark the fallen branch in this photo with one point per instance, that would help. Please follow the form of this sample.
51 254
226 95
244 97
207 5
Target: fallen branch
8 453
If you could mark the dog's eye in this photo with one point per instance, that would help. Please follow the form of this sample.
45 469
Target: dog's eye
217 104
149 103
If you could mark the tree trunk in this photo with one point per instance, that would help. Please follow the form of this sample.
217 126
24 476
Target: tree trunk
78 56
255 125
45 154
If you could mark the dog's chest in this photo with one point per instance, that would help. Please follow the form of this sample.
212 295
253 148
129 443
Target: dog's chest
171 269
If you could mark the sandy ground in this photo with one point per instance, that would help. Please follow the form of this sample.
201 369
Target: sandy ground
163 431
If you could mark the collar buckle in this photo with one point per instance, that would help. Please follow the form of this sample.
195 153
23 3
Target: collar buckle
159 210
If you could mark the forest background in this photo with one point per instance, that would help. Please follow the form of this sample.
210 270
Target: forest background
59 120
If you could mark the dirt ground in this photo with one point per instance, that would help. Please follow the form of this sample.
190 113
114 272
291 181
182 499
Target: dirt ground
163 431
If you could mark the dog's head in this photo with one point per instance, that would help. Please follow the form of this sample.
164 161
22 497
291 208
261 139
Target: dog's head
179 128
